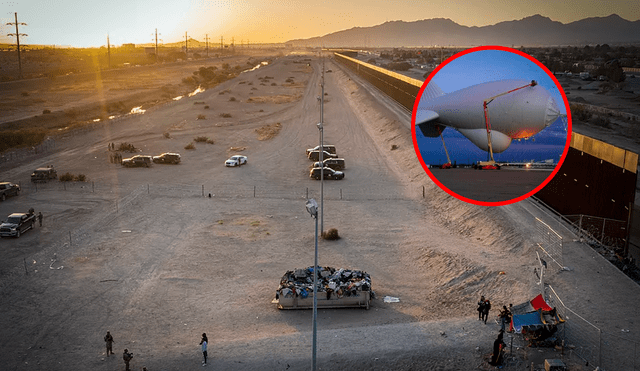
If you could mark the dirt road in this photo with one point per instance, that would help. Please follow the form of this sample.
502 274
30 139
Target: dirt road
145 254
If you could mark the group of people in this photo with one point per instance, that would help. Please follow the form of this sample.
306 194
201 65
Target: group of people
39 216
116 158
127 356
484 306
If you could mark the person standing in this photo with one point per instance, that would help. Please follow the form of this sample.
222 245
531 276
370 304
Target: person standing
126 356
108 339
40 218
480 308
498 347
204 342
504 317
485 310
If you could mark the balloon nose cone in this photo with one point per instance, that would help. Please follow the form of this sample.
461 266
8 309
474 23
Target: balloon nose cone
552 112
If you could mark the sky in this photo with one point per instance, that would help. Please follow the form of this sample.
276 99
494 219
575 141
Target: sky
86 23
492 65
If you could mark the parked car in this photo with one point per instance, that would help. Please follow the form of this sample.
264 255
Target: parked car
327 147
328 172
137 161
8 189
315 155
16 224
236 160
167 158
44 174
334 163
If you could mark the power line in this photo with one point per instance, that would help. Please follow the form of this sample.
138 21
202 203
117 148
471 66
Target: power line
17 35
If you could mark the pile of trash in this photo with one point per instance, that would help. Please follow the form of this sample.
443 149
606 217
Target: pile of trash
332 283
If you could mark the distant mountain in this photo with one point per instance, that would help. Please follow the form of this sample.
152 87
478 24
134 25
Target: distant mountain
535 30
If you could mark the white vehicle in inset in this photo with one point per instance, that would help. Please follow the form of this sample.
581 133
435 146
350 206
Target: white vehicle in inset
236 160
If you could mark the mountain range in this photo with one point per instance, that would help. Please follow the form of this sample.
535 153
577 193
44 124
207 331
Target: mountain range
535 30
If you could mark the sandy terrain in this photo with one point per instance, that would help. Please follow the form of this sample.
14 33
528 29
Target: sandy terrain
141 253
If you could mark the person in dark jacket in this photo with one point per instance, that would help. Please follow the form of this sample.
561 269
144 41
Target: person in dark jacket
108 339
498 346
480 307
126 356
485 310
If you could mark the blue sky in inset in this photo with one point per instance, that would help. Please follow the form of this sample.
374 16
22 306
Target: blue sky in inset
492 65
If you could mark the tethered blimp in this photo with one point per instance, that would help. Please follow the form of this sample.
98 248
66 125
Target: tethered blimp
490 114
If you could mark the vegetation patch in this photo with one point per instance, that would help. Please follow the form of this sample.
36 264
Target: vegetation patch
68 177
268 131
190 146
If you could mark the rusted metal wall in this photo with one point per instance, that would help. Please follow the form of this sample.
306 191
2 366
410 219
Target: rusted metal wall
400 88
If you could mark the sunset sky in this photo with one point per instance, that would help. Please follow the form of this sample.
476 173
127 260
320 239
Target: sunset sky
82 23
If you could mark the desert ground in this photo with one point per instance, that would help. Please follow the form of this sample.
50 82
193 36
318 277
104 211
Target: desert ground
146 254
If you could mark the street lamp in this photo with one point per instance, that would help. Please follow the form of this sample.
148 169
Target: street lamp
312 208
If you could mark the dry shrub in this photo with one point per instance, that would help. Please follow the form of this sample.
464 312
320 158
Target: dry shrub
331 235
206 107
166 135
80 178
201 139
67 177
225 115
44 112
202 117
232 99
210 141
190 146
268 131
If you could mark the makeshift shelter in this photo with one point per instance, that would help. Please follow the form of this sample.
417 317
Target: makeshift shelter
535 320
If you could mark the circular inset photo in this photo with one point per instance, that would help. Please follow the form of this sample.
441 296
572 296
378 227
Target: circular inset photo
491 126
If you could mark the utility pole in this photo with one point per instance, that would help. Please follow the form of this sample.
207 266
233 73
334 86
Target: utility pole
186 46
17 35
156 45
221 43
108 52
206 37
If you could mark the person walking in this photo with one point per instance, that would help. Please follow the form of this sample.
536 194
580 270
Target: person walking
485 310
40 218
204 342
108 339
480 308
504 317
498 347
126 356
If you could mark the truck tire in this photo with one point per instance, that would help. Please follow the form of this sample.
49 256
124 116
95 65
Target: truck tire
4 197
18 233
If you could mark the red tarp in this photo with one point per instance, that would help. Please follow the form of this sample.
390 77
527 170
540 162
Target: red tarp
538 302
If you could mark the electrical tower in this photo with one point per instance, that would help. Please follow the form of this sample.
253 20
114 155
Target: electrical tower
17 35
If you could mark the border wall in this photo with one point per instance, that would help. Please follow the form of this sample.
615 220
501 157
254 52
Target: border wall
596 181
400 88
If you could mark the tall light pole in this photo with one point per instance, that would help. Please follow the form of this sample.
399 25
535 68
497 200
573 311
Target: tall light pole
17 35
312 208
321 128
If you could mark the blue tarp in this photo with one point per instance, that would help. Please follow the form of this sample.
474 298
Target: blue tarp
530 321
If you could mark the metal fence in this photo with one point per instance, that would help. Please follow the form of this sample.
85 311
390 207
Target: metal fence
607 232
550 242
591 344
332 192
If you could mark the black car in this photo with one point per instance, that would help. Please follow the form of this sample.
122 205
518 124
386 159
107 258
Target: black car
329 173
8 189
137 161
167 158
